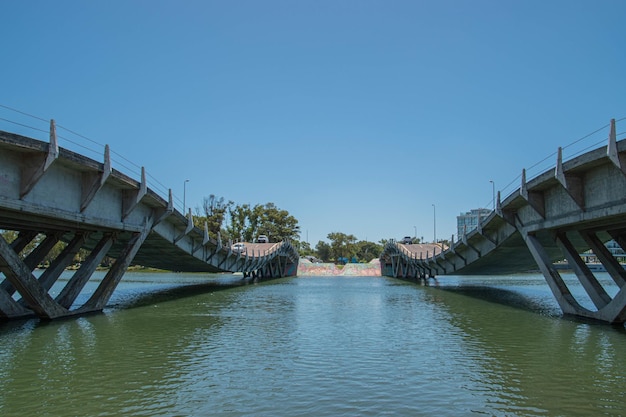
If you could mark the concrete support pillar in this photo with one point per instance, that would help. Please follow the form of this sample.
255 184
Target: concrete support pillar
33 259
75 285
11 309
65 258
103 293
612 266
21 278
596 292
559 289
22 240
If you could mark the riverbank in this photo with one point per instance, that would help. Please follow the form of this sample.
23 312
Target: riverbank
307 268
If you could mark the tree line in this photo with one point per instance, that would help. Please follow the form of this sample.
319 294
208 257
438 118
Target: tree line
343 248
245 223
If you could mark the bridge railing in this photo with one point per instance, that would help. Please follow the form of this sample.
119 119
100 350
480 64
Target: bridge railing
577 147
29 125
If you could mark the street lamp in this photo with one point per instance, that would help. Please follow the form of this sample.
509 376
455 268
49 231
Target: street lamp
415 228
493 194
185 195
434 224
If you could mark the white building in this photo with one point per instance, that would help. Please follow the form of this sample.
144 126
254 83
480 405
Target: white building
466 222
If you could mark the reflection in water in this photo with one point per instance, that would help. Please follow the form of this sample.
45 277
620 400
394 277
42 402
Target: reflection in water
548 364
316 346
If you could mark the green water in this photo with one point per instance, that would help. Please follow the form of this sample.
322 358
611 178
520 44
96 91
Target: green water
316 347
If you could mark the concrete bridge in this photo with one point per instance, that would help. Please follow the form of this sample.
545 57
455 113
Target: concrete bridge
577 206
45 189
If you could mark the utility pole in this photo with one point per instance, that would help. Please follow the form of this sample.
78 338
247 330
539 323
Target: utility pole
185 195
493 194
434 224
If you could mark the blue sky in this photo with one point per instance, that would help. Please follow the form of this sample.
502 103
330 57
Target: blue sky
354 116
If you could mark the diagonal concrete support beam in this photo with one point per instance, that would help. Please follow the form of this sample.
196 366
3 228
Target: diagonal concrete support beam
34 258
559 289
92 183
596 292
611 150
133 197
21 277
103 293
612 266
75 285
35 166
535 199
188 229
22 240
162 214
11 309
466 243
573 184
53 272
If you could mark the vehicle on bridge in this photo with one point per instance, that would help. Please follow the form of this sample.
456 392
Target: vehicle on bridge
263 239
239 247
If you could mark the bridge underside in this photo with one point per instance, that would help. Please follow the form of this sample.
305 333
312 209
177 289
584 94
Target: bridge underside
24 295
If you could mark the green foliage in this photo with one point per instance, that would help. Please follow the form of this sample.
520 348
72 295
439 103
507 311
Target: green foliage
346 246
239 228
324 251
11 235
342 245
244 222
213 212
248 222
304 248
366 251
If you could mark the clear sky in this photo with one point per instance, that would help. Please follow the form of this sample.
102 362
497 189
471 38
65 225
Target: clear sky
354 116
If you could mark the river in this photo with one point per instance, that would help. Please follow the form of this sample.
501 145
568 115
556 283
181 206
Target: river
172 345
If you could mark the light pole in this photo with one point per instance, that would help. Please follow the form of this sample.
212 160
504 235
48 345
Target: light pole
185 195
415 229
434 224
493 194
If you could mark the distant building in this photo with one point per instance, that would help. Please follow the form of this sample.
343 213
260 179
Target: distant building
613 247
466 222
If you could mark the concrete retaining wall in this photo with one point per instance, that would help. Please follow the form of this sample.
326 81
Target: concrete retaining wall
309 269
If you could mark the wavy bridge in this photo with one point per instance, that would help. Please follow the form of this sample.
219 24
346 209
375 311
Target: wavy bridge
51 191
575 207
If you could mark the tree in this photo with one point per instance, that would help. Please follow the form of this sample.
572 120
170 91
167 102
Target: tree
213 211
323 250
304 248
239 221
366 251
278 224
248 222
342 245
53 253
